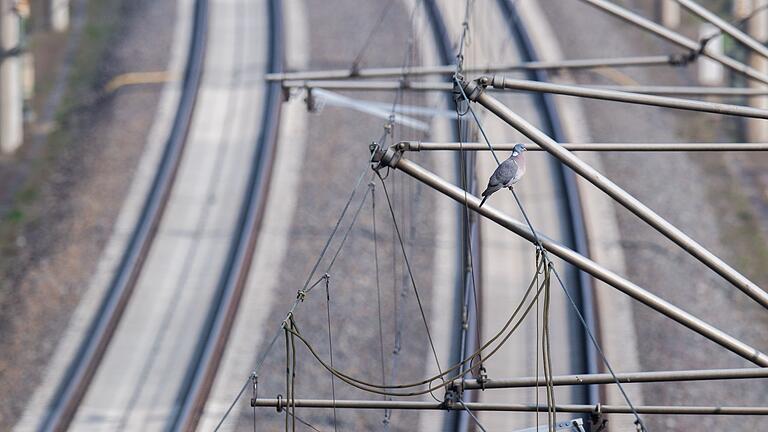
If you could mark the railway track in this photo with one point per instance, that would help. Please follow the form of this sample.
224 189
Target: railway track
466 342
202 370
201 365
83 367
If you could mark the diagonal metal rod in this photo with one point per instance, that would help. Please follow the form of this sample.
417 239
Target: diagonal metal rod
395 160
676 38
687 90
620 195
480 406
396 72
500 82
628 147
720 23
631 377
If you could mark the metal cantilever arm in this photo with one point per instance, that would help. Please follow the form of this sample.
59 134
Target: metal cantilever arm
675 38
394 159
612 94
475 90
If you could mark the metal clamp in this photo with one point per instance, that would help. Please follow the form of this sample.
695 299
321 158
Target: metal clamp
452 396
385 158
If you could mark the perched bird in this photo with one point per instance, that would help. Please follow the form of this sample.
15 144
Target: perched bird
507 173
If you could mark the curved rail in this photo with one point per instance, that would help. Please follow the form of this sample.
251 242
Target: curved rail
545 103
584 289
201 371
83 367
468 231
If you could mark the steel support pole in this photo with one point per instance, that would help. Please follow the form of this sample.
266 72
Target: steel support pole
623 147
620 195
11 94
395 160
500 82
675 38
726 27
283 403
625 378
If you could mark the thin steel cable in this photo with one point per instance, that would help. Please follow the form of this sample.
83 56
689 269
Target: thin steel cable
410 274
373 388
378 287
477 120
471 414
349 229
263 357
336 226
287 378
369 39
305 423
638 421
293 376
330 346
354 381
546 353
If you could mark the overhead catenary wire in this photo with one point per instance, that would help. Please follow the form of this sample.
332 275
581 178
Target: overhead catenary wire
299 298
385 390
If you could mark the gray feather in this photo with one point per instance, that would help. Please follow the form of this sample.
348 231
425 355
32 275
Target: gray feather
504 174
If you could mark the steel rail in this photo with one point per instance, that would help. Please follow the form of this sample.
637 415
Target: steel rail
395 160
726 27
80 372
676 38
201 371
500 82
416 146
465 322
620 195
282 403
395 72
624 378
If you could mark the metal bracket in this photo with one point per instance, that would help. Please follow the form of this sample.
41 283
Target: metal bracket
452 396
279 403
474 88
382 157
597 423
255 382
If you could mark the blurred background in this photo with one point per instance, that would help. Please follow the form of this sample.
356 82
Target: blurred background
169 191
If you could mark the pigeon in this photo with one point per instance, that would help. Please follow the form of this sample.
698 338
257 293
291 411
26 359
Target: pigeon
507 173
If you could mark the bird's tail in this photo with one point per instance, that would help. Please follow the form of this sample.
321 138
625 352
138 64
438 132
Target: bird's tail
483 201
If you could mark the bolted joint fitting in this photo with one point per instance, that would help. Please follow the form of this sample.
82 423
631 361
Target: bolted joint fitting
385 157
473 89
